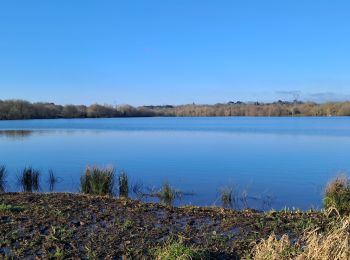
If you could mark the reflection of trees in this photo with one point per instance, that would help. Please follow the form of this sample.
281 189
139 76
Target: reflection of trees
16 134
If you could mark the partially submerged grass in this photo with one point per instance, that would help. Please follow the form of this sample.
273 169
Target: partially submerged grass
29 179
98 181
123 182
226 197
8 207
3 174
167 194
337 194
179 251
334 243
52 180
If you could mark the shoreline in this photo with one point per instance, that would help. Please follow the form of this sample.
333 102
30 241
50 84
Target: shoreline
76 225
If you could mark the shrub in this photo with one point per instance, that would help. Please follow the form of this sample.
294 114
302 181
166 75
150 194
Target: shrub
29 180
337 194
97 181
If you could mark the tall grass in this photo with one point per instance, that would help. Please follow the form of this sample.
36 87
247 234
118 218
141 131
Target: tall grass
167 194
337 194
98 181
3 174
29 179
123 182
52 180
226 197
334 243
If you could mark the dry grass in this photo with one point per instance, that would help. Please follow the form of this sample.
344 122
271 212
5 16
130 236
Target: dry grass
337 194
315 245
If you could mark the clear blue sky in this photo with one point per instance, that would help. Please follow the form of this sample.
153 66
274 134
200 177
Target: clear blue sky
171 52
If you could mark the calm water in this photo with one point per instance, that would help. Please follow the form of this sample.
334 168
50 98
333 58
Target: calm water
277 161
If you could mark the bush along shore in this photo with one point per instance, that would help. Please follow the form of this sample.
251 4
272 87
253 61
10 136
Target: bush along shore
93 224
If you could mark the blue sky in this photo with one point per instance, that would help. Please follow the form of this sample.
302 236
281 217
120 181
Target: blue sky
172 52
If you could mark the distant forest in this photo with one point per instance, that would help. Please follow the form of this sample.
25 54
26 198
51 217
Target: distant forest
20 109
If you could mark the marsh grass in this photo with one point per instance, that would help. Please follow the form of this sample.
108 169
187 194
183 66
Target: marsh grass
177 250
227 197
315 244
123 181
29 179
337 194
98 181
52 180
3 174
167 194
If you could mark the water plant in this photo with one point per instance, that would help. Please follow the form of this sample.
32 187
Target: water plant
167 194
3 174
29 179
52 180
98 181
123 181
226 197
337 194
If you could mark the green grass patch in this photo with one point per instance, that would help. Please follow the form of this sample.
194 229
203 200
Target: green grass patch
12 208
179 251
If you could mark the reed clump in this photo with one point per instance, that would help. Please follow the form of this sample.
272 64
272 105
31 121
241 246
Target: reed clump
3 174
167 194
52 180
226 197
123 181
98 181
29 179
337 194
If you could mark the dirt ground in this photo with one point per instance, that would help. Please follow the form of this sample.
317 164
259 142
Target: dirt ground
74 226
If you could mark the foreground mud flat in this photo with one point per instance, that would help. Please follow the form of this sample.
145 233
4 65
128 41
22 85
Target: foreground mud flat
71 226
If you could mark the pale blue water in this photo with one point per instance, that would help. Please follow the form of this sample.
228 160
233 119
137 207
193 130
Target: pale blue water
287 159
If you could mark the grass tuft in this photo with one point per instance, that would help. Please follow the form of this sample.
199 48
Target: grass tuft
123 181
3 174
52 180
179 251
337 194
29 180
167 194
98 181
226 197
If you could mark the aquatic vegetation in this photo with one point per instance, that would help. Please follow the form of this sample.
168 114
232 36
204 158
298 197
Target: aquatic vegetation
52 180
29 180
3 174
226 197
179 251
167 194
337 194
98 181
123 181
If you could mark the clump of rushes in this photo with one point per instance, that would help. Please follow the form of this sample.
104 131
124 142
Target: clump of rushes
337 194
177 250
123 181
98 181
52 180
3 173
167 194
226 197
29 180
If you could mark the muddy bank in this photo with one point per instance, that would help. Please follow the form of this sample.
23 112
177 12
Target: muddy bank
60 225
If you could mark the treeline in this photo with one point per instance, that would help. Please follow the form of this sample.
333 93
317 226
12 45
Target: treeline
20 109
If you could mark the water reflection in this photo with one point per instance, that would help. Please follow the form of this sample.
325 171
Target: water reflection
16 134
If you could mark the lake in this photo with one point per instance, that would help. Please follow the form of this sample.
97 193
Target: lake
269 162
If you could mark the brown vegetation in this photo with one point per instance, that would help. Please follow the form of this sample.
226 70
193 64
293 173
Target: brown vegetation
19 109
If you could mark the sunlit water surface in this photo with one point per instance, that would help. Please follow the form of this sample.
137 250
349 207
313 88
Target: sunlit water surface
269 162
